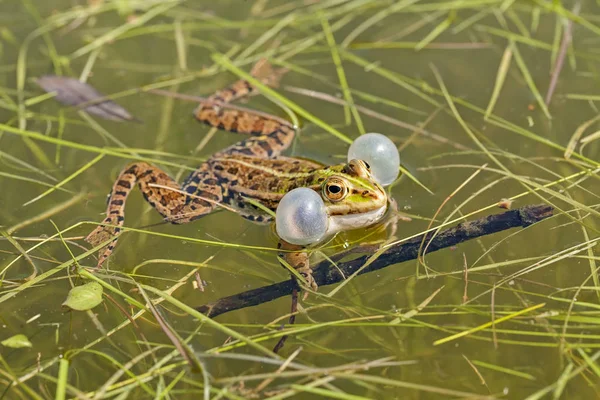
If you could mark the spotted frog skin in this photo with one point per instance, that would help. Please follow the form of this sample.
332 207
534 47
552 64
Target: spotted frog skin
250 171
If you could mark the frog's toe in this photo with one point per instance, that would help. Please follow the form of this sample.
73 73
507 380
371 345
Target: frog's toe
310 280
104 233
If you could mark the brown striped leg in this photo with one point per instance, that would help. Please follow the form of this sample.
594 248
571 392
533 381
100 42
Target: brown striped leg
270 136
176 206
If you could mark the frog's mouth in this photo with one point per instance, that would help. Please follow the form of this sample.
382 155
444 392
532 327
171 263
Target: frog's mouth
338 223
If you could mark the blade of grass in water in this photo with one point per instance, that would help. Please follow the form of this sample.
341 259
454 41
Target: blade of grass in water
350 107
27 179
540 394
59 134
586 97
529 79
527 183
557 7
500 77
89 148
383 381
514 18
453 5
180 45
209 321
410 314
360 94
504 370
375 19
52 52
515 37
389 75
369 261
22 251
265 37
25 165
66 180
115 33
121 369
437 31
593 366
38 99
61 384
201 241
414 179
326 392
47 213
37 151
577 135
16 383
412 45
487 324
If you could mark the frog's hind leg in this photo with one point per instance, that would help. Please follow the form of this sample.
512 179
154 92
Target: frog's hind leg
270 135
178 205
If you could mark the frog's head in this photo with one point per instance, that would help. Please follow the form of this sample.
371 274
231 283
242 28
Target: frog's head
352 196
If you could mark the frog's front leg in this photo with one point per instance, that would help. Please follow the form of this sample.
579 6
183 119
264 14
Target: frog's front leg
297 257
177 204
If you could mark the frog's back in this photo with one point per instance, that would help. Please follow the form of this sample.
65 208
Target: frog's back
261 180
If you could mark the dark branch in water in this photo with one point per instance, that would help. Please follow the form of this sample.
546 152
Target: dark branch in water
324 274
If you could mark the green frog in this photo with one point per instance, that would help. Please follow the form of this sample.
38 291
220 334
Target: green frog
248 173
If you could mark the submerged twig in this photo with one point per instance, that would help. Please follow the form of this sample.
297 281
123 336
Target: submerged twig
397 253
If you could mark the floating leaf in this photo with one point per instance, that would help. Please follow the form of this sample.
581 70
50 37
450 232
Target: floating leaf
72 92
16 342
84 297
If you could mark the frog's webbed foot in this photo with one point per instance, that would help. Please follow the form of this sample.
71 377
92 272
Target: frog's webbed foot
309 278
263 70
115 213
110 229
242 89
297 257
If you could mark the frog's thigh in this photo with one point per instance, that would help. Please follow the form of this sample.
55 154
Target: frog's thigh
202 195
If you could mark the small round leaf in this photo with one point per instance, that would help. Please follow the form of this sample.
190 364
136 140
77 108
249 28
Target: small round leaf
84 297
16 342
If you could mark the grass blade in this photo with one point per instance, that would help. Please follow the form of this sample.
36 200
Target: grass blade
61 383
500 77
529 79
487 324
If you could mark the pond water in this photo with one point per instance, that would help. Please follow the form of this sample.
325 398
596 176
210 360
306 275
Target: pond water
376 336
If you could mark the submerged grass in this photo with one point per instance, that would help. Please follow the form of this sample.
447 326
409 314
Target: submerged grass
456 84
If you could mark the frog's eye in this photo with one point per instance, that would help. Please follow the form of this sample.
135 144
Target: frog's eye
335 189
